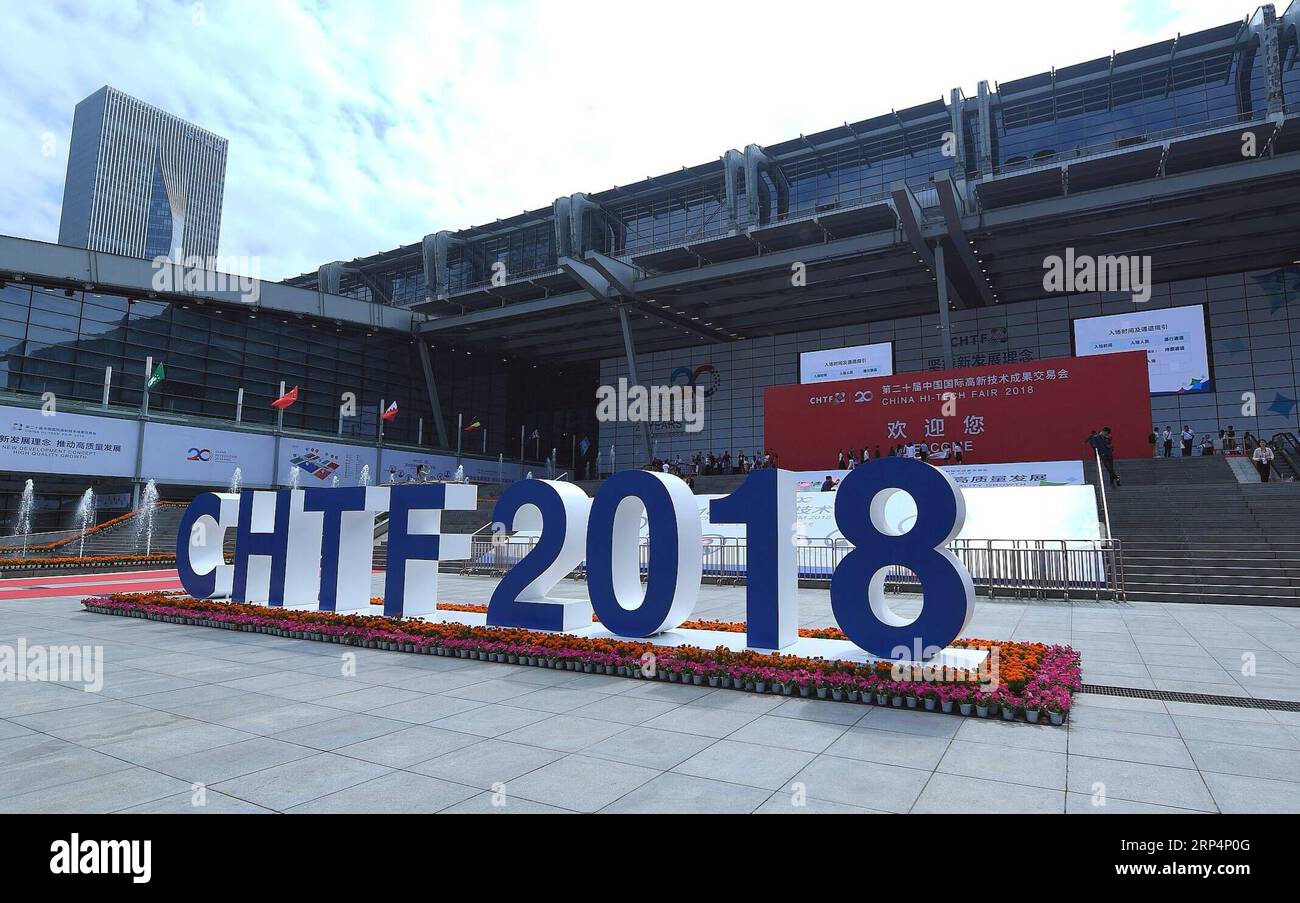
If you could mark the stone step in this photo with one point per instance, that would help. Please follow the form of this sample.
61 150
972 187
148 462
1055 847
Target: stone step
1216 598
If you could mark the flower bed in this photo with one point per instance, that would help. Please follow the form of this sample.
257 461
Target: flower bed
89 561
1035 680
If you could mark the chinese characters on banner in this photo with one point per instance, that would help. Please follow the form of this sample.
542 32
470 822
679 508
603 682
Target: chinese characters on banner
1036 411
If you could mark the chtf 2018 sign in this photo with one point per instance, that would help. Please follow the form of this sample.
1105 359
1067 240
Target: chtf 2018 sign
313 548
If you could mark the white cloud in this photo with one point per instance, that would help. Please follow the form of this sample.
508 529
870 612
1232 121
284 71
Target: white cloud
358 127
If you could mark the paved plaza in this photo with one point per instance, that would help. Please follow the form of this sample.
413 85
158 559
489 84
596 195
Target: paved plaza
250 723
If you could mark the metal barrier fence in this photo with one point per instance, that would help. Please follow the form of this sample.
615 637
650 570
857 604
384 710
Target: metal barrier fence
1021 569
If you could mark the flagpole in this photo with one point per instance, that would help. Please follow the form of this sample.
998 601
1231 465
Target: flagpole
521 444
382 411
573 454
459 432
139 446
279 425
485 440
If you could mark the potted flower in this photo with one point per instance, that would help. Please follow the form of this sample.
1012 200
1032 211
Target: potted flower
1033 705
981 704
910 696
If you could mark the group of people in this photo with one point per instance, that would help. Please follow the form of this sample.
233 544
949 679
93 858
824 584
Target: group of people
1261 455
851 459
1163 441
711 464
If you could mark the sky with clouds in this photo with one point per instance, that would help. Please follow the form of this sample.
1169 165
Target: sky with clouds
356 126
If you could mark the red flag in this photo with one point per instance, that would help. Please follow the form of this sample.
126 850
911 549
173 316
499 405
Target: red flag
391 414
286 400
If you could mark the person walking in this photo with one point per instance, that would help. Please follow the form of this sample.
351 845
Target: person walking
1104 443
1263 459
1154 440
1188 437
1167 438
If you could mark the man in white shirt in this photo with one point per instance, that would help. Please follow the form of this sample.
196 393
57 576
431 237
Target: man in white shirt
1188 438
1263 458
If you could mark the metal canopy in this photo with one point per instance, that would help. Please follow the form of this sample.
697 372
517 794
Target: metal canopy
1227 218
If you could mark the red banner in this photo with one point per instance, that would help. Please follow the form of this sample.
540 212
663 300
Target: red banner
1031 411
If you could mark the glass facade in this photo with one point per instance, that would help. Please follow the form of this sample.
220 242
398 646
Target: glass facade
1170 97
52 340
158 229
1254 341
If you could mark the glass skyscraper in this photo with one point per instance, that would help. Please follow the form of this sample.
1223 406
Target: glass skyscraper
141 182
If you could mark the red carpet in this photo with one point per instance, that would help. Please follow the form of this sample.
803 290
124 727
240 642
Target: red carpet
41 587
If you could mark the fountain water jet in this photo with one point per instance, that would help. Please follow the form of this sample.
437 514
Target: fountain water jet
236 480
25 505
364 478
144 516
85 517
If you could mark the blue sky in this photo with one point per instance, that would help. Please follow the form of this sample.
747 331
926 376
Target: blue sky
360 125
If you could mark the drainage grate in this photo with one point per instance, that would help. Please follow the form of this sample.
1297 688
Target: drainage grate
1241 702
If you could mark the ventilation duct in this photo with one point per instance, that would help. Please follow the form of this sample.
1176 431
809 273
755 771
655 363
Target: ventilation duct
749 168
588 220
563 228
733 171
329 277
758 164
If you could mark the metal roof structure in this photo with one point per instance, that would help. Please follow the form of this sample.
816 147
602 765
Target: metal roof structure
960 199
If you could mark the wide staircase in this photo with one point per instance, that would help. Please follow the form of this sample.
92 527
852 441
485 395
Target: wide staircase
1192 532
452 521
712 484
124 537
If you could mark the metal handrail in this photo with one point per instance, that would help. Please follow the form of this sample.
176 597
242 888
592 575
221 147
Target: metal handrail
1020 568
1101 483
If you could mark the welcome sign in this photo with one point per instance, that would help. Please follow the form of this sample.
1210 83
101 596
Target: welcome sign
312 548
993 414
